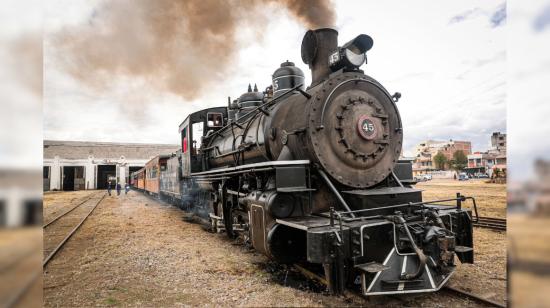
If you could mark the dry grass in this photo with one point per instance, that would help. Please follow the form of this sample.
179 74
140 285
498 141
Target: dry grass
490 198
20 260
529 236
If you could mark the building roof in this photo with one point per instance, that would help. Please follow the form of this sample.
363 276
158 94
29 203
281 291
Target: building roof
108 150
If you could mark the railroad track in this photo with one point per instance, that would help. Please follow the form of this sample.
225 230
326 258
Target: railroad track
491 223
474 297
60 229
350 294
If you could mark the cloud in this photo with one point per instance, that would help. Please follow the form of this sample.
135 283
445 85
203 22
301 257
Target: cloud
471 13
542 20
496 17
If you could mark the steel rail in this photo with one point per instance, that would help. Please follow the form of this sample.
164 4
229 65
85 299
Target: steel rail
73 231
475 297
67 212
491 223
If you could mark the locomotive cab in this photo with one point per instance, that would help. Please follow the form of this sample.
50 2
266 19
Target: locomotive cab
193 130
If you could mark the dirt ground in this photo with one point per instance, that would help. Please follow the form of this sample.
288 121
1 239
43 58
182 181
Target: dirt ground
20 267
528 239
135 251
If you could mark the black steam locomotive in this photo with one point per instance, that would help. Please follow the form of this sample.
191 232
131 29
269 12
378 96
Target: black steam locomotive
312 175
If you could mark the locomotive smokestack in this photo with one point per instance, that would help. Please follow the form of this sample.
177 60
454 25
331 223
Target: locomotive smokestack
316 48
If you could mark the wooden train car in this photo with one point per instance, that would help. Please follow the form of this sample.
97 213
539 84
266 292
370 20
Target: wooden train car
170 178
153 168
138 179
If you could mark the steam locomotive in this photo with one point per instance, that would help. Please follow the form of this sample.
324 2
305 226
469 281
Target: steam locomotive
312 175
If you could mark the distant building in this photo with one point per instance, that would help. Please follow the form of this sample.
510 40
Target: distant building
493 161
77 165
498 142
426 150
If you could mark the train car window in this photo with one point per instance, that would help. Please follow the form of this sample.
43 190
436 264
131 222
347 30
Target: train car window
197 130
214 119
184 140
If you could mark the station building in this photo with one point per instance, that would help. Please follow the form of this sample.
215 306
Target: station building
79 165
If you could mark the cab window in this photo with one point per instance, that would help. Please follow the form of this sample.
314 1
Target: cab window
214 119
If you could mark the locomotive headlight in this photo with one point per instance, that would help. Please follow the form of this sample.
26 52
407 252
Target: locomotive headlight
352 55
355 59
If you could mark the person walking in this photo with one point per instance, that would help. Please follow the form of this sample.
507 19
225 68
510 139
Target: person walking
126 188
118 188
109 187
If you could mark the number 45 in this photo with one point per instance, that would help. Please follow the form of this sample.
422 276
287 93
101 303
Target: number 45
369 127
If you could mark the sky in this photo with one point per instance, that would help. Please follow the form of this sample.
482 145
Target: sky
21 85
446 58
528 46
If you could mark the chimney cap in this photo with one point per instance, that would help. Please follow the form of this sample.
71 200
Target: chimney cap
310 44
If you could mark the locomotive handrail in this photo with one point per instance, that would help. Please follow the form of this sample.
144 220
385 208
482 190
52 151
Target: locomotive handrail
245 168
336 193
475 207
458 205
236 122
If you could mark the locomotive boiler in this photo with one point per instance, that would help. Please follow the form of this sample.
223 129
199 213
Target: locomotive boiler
345 122
311 174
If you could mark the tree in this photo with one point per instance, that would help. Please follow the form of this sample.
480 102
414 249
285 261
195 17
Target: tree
460 160
440 160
